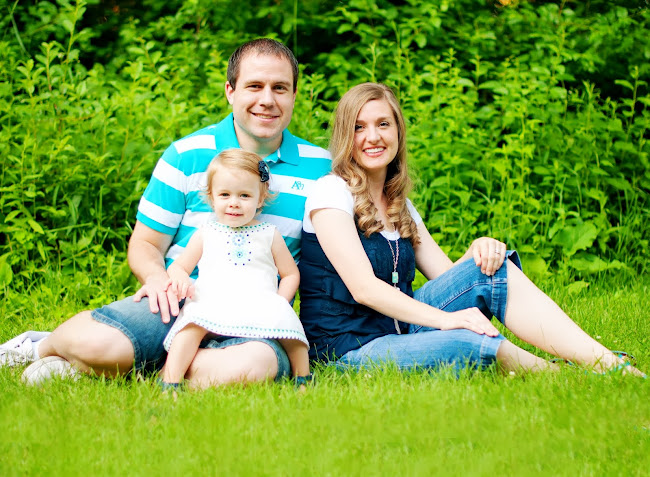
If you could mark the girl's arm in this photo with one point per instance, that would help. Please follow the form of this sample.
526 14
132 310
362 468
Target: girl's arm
179 271
287 268
337 235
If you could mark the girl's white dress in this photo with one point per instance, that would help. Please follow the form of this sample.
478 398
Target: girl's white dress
236 290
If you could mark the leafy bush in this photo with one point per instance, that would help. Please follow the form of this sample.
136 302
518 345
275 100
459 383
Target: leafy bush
527 123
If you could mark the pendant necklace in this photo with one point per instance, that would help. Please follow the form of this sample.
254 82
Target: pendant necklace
395 275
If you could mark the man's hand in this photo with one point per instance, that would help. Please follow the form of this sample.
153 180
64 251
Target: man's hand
161 297
146 255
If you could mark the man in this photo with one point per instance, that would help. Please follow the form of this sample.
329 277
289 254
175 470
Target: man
261 87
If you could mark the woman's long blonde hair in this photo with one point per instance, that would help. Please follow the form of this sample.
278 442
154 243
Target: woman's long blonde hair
398 183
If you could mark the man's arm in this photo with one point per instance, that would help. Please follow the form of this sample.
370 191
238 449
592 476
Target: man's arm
146 255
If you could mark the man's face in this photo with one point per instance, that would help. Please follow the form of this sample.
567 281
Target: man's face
262 102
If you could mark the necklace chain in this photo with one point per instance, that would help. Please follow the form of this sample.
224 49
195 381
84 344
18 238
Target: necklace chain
395 275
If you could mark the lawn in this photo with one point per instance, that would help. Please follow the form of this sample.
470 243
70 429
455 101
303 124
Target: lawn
376 422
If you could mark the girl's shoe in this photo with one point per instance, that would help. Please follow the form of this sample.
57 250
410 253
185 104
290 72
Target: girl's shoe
165 387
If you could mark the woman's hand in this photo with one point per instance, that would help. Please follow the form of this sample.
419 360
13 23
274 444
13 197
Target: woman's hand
470 319
488 253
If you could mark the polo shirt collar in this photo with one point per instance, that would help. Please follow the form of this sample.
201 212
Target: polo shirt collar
288 151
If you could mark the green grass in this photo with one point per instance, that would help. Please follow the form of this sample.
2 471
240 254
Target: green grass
378 422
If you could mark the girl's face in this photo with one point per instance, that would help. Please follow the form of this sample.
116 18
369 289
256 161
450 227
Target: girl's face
235 195
376 136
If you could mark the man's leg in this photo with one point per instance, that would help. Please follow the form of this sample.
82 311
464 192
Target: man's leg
110 340
238 360
90 346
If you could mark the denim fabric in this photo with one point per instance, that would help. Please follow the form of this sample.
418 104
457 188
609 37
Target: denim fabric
145 329
427 349
147 333
462 287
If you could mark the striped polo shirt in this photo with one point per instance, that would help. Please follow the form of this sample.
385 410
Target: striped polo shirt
173 202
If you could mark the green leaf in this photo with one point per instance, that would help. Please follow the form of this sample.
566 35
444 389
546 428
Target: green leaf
36 227
574 238
68 25
464 82
6 274
577 287
535 266
588 263
625 84
494 86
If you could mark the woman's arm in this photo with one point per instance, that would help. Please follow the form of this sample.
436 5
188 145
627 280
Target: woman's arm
287 268
429 257
337 235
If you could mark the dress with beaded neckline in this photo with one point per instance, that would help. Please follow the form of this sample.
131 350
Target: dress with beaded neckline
236 290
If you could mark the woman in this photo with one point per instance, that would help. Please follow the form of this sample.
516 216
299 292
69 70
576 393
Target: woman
362 240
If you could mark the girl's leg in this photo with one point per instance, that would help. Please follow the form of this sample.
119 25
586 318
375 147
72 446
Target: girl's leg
298 354
181 353
535 318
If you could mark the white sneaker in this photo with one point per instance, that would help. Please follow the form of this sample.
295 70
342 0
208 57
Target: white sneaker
49 368
20 350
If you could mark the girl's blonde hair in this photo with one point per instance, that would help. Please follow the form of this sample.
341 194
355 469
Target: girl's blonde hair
237 159
398 183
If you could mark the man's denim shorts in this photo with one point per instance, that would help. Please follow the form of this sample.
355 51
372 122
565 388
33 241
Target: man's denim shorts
147 333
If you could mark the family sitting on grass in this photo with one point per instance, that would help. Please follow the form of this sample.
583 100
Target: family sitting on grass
358 238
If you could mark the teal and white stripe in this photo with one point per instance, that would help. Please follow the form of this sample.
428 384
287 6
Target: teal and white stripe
173 202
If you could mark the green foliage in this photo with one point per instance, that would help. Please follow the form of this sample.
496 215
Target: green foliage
528 123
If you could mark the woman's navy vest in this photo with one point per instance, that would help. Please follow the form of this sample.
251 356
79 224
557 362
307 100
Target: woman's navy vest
333 321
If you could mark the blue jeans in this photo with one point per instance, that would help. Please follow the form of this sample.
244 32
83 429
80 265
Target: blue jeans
462 287
146 331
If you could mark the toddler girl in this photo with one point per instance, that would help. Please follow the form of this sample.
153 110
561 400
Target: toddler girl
239 258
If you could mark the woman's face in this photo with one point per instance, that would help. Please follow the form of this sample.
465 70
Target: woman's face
376 136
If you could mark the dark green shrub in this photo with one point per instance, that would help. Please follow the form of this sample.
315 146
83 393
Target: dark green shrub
527 123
